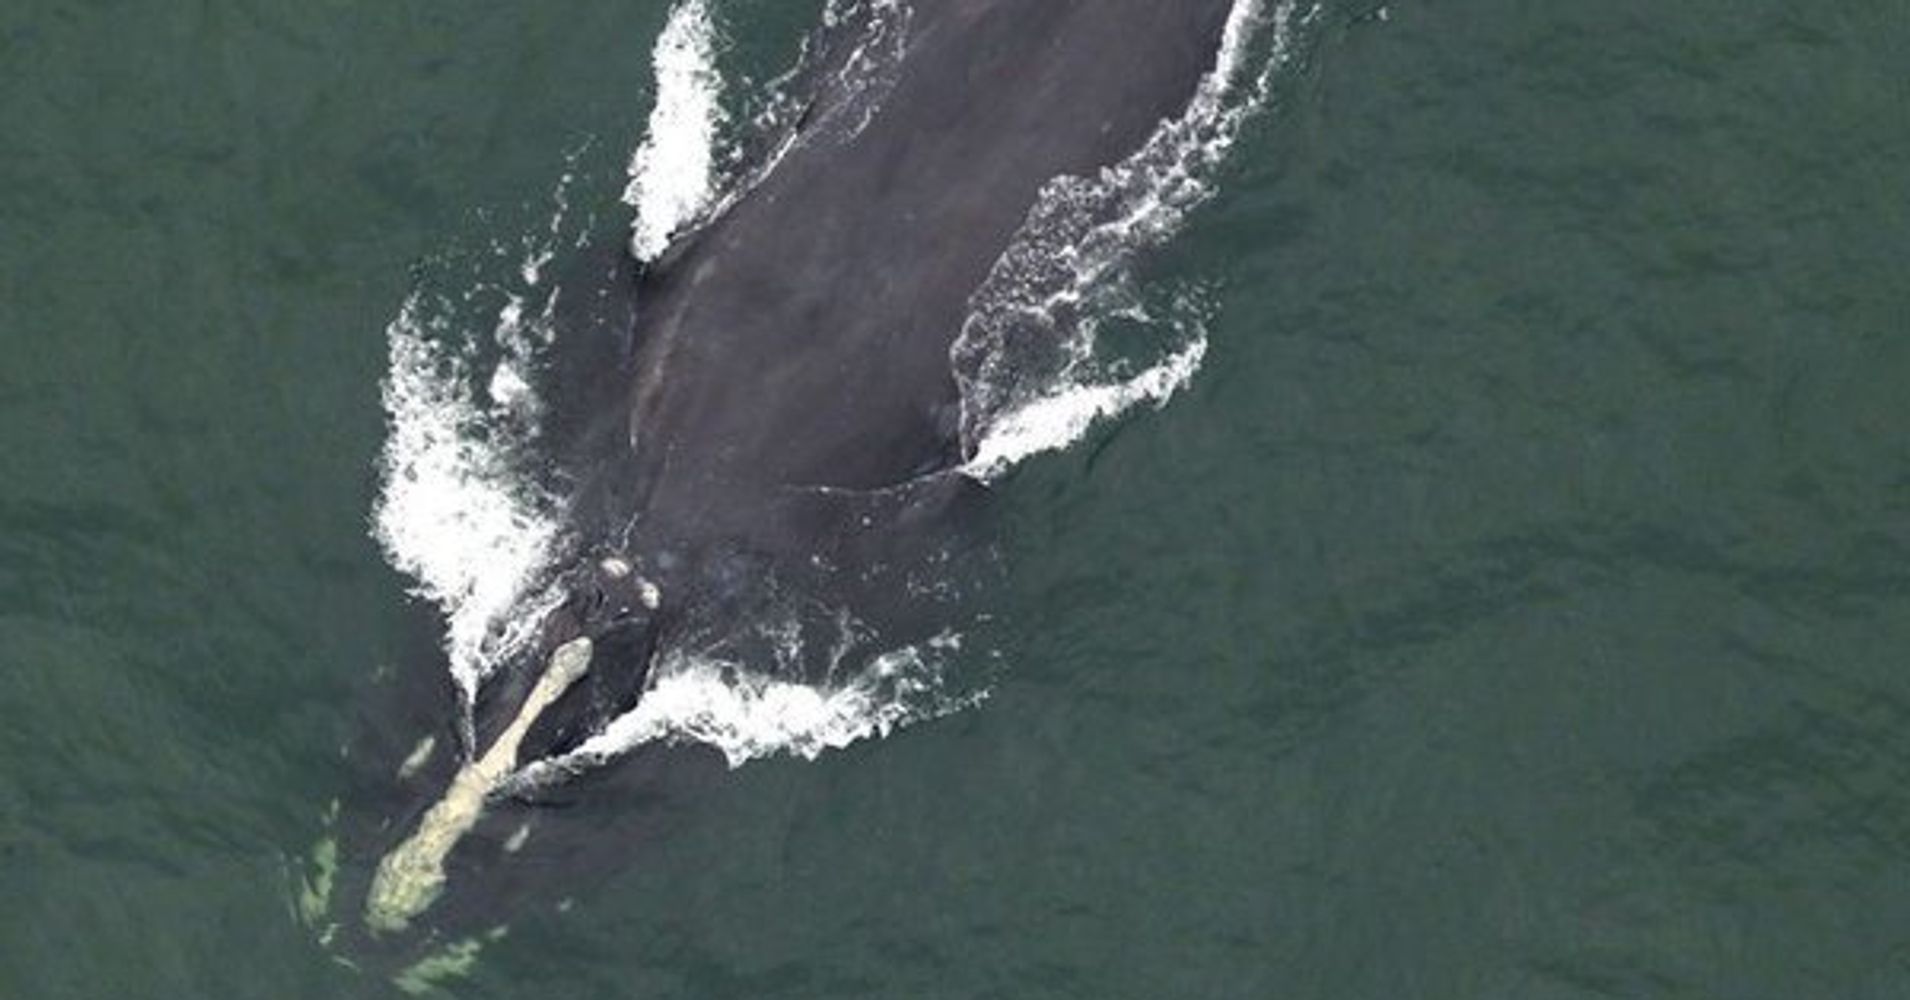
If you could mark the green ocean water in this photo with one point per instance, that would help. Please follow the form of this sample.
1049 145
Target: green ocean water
1514 607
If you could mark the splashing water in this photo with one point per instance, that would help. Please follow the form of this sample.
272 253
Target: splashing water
1058 418
455 513
456 510
673 173
747 715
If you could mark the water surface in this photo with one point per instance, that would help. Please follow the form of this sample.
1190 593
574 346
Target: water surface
1513 607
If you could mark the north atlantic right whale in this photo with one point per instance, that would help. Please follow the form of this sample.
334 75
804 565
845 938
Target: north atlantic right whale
783 423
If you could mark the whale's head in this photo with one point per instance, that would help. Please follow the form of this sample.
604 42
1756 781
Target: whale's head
587 665
812 580
613 612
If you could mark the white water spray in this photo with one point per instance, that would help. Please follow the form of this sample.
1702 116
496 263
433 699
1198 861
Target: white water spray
673 173
455 514
746 715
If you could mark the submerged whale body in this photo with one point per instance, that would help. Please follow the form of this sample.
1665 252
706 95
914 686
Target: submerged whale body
781 425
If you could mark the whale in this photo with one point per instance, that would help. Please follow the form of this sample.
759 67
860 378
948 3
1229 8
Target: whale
769 414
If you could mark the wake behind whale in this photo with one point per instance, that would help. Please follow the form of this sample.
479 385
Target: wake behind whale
730 492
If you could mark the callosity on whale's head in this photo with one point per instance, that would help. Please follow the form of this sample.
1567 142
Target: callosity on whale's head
591 664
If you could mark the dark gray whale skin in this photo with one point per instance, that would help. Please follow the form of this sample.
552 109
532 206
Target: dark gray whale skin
780 415
803 339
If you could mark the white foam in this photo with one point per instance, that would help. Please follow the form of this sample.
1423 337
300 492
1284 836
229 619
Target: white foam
456 510
455 513
1053 421
673 173
747 715
1032 379
681 162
